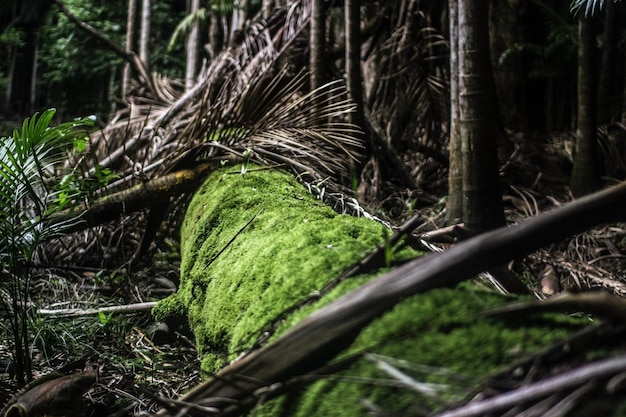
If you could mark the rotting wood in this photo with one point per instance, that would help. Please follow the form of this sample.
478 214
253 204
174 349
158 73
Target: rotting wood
141 196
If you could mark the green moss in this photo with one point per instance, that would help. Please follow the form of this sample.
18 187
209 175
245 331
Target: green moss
442 329
294 245
171 306
236 278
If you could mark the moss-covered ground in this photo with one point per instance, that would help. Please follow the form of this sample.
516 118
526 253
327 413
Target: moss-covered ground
255 244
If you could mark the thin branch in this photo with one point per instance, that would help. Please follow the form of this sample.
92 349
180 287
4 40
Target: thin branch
601 369
141 196
79 312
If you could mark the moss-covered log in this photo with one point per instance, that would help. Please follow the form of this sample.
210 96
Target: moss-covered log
255 245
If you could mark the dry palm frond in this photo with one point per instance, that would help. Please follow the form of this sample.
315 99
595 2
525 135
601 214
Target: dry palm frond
413 77
272 119
243 99
245 104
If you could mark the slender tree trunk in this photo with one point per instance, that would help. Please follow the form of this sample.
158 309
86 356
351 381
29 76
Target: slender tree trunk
22 82
240 14
353 60
216 34
478 121
508 26
144 39
585 174
317 43
26 17
606 81
130 43
192 49
454 203
317 51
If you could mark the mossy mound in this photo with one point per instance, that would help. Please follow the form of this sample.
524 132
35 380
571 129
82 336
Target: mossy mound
292 246
253 245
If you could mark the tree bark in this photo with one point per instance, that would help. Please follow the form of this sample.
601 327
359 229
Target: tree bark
149 194
478 121
454 203
317 51
216 34
606 80
317 41
353 60
585 175
144 36
267 8
192 49
130 44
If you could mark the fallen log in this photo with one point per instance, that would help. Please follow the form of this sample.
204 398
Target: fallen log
228 298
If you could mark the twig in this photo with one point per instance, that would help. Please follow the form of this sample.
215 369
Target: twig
76 312
579 377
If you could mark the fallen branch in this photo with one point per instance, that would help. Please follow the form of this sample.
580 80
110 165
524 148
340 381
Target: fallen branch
145 195
602 369
79 312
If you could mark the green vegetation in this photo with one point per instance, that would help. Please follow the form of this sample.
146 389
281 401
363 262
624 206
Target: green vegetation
293 240
258 243
27 196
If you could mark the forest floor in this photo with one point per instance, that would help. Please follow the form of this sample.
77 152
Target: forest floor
140 361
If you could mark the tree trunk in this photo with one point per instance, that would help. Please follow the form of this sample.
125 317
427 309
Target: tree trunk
317 42
317 51
585 175
478 121
606 80
353 60
239 16
130 43
454 203
192 49
313 342
216 34
507 28
144 39
22 76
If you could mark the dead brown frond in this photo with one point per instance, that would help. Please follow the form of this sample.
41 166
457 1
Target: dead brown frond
248 104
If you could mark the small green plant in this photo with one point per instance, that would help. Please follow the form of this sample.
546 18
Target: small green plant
27 196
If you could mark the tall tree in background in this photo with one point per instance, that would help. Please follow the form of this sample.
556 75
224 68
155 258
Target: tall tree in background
585 175
266 8
27 18
317 48
130 43
317 44
353 60
144 37
454 203
478 121
606 77
193 41
240 15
